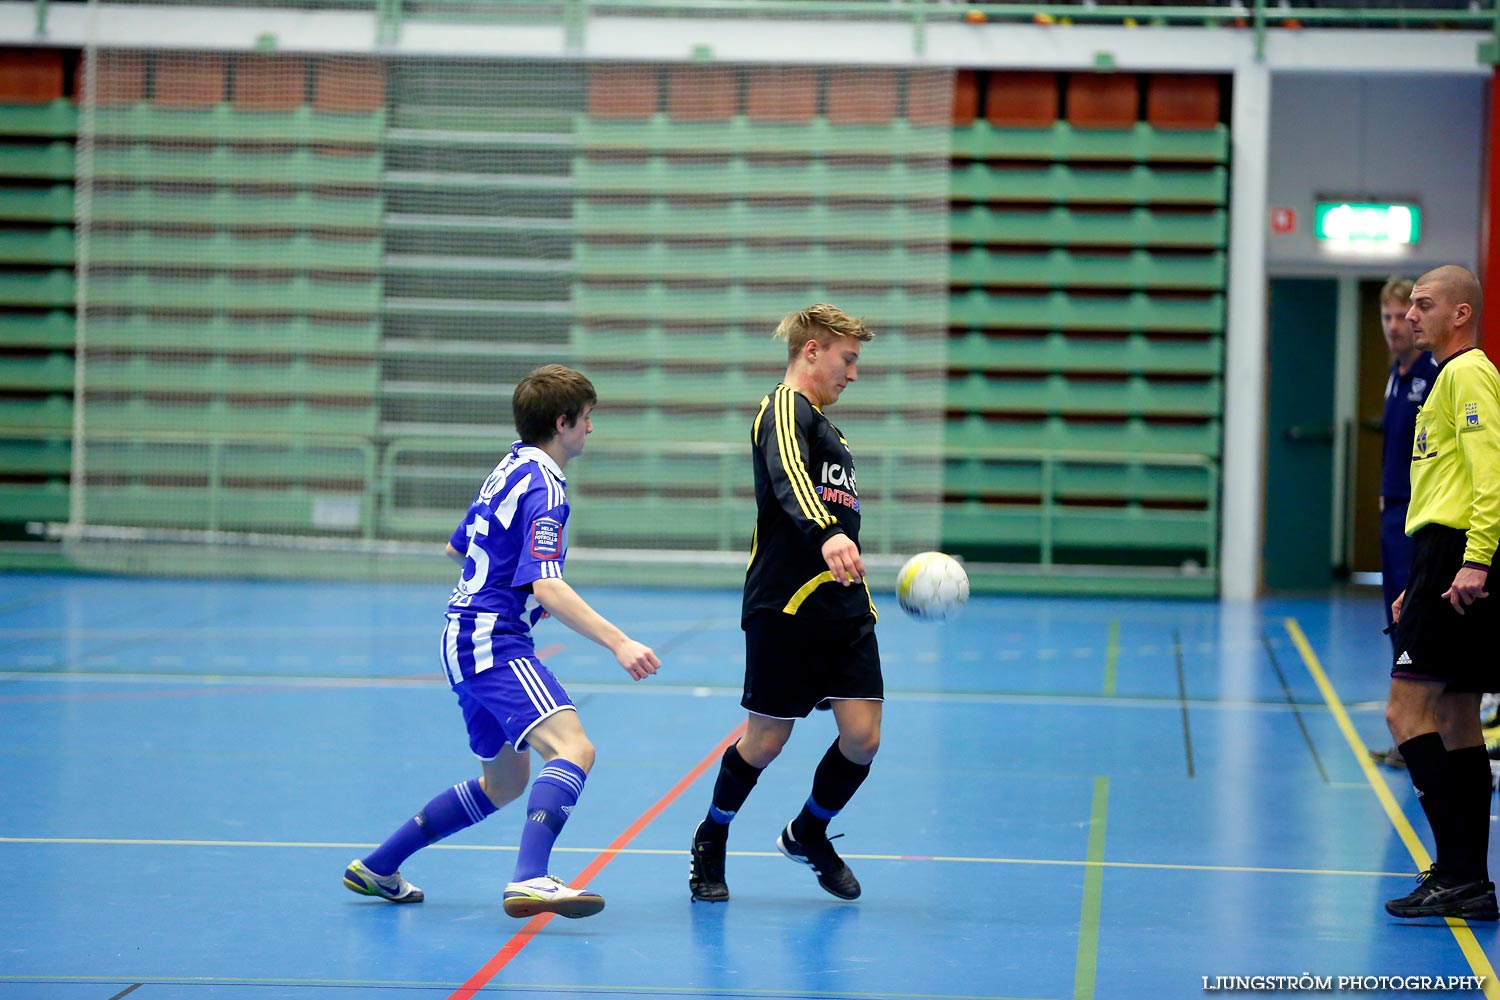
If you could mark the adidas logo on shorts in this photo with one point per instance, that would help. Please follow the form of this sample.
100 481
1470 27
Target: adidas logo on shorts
1404 660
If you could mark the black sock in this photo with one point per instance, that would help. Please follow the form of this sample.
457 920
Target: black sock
736 778
1427 762
834 784
1470 788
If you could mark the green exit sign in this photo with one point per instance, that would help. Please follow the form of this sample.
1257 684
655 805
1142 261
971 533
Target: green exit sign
1367 222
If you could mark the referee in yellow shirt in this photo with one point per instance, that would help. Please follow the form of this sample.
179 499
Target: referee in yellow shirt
1447 627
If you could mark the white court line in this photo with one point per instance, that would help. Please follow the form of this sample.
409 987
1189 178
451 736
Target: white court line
663 852
693 690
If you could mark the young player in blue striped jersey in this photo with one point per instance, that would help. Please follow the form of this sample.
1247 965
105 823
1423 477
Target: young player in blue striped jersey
807 615
512 545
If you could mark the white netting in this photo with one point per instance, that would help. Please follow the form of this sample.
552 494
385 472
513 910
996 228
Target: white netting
308 284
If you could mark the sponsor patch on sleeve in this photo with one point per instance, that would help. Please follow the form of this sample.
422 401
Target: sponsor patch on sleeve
1471 417
546 538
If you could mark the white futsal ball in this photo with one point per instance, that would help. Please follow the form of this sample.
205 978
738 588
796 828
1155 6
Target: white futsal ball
932 587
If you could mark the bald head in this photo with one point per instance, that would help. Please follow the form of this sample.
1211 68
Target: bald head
1446 304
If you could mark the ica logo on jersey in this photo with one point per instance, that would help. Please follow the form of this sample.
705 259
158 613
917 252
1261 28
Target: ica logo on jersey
838 486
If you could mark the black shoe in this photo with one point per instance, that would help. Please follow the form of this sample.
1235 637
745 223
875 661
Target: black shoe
820 856
706 869
1390 757
1441 895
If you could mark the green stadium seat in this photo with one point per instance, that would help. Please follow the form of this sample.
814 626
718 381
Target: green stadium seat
51 161
743 135
897 181
222 123
299 167
1057 268
230 459
1092 528
221 375
27 373
1058 394
1060 183
37 247
1123 479
301 251
1056 351
271 509
302 210
738 262
1062 142
26 204
739 304
55 328
1129 435
37 289
55 119
1060 225
230 335
1137 311
220 291
37 413
46 456
735 220
218 416
34 501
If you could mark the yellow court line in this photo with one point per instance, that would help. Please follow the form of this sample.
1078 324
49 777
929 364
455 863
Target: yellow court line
1467 943
672 852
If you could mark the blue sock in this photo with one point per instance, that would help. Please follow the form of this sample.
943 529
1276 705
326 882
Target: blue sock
553 796
454 809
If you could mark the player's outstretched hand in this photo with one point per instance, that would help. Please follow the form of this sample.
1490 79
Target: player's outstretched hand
842 557
637 659
1467 587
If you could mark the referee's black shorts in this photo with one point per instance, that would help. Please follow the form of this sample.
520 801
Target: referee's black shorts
792 662
1433 642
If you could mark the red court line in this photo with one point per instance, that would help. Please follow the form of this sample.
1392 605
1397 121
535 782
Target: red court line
529 930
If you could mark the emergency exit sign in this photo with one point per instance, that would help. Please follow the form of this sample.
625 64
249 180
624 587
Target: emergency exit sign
1393 223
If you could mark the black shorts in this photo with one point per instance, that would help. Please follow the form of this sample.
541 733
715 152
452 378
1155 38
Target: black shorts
794 662
1432 641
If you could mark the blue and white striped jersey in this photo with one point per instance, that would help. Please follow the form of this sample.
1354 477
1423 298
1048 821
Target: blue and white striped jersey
515 533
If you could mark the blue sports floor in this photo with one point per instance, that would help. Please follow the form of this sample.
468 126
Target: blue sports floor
1074 799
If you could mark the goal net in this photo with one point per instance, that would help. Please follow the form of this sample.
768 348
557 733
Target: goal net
309 281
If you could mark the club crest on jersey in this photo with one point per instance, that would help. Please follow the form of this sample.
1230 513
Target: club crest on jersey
1471 417
1418 391
1421 441
546 538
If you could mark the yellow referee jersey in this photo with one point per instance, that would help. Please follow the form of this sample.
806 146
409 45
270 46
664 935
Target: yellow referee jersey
1455 458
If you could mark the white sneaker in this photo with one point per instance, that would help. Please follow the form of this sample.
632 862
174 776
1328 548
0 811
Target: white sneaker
392 887
548 894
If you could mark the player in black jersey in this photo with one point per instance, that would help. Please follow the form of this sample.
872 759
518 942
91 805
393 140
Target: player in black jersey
808 619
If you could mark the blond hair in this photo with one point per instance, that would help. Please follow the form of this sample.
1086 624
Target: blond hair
820 322
1396 289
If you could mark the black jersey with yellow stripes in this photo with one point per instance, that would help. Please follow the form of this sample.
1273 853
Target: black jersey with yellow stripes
804 493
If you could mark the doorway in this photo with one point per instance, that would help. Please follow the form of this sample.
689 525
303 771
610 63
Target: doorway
1302 343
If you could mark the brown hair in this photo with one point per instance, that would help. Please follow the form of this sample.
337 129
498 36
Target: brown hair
545 394
821 322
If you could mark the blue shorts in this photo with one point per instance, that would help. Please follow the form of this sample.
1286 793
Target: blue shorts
503 703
